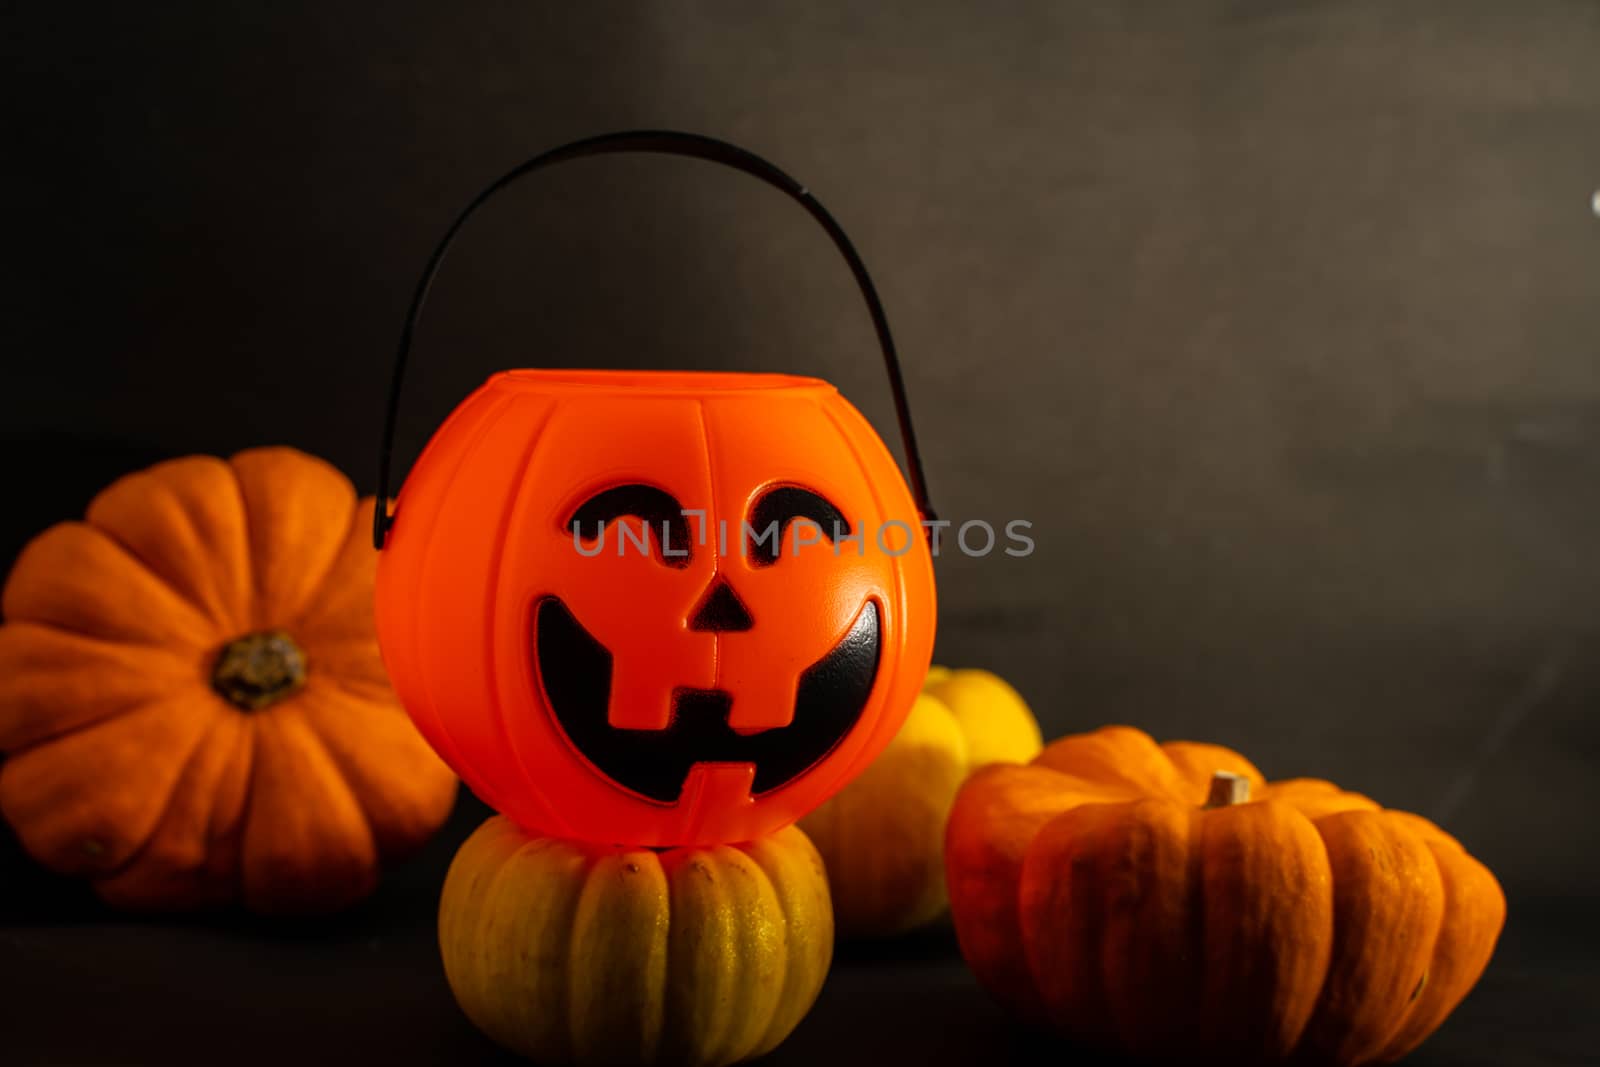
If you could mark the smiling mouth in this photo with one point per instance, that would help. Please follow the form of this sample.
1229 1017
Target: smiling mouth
575 671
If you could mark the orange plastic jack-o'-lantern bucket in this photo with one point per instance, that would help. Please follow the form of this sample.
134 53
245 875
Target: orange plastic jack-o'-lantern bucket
657 608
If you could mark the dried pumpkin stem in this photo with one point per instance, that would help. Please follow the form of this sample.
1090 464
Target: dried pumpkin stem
1227 789
258 670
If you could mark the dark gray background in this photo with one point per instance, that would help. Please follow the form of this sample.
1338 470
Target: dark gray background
1278 320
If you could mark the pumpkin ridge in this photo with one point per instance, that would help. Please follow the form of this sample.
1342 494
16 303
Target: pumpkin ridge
429 721
685 907
354 664
319 592
222 625
574 965
218 833
311 807
804 876
1456 964
1305 831
252 724
291 711
359 689
1104 753
43 660
762 1001
1196 903
1327 857
185 765
366 772
760 1040
505 868
529 782
145 565
1125 1023
1094 821
257 553
116 835
1397 1022
78 727
1327 965
138 563
1178 772
607 900
352 688
1404 1015
1197 762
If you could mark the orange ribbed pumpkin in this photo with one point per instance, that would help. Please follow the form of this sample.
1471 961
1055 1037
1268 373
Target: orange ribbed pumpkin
1166 902
192 705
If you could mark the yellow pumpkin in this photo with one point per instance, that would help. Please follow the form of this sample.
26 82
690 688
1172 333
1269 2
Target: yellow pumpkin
570 952
882 836
192 705
1168 903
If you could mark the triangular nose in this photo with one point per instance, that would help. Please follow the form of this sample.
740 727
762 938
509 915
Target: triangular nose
721 611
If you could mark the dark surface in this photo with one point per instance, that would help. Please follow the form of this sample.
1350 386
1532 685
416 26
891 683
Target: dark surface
1278 320
87 987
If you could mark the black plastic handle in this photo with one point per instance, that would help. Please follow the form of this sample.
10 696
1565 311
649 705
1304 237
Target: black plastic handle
674 143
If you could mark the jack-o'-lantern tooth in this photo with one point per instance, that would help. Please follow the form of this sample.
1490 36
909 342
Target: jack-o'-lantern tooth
639 699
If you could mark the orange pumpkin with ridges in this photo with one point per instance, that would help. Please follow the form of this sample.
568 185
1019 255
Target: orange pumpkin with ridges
192 705
1166 902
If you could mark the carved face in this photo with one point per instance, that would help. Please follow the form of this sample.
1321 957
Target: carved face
656 609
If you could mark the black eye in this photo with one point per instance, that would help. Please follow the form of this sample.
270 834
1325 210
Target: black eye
659 510
776 509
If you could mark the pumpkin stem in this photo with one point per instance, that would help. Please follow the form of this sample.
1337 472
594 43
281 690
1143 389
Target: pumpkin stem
258 670
1227 789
